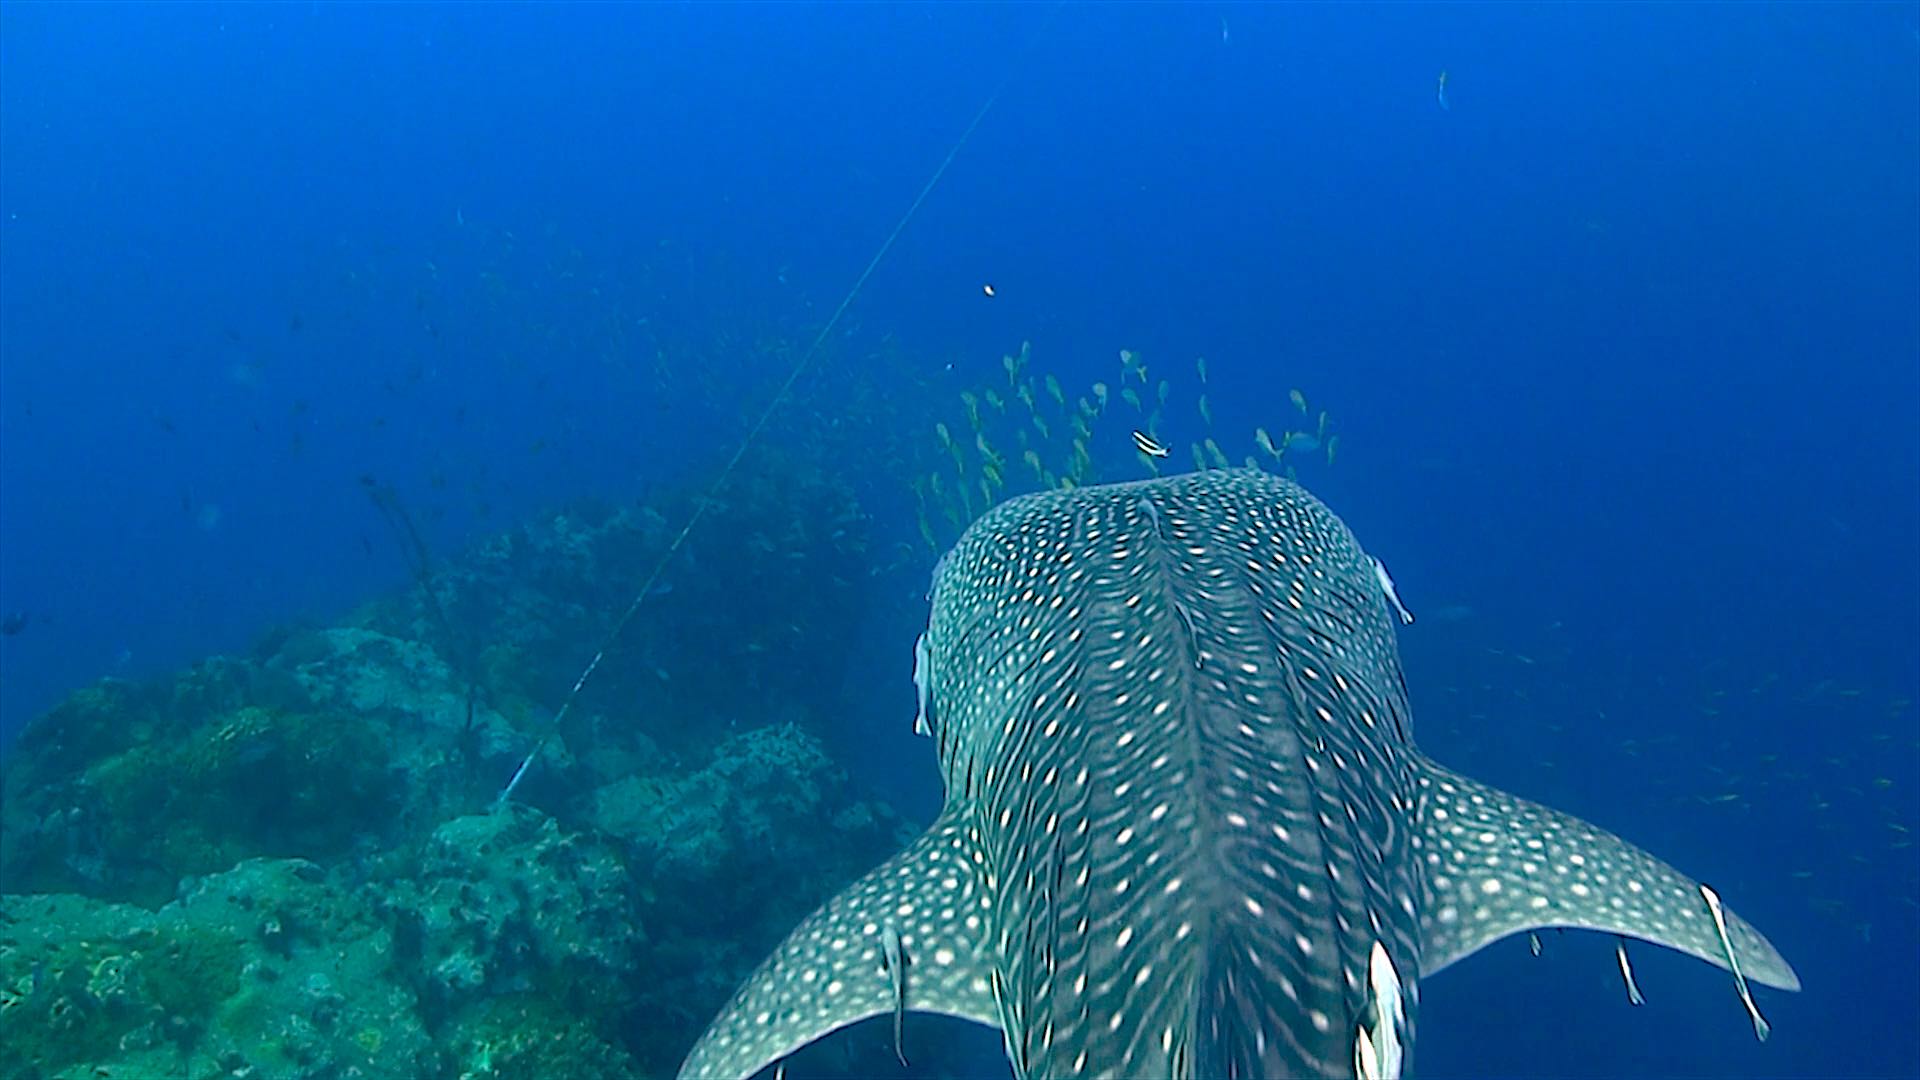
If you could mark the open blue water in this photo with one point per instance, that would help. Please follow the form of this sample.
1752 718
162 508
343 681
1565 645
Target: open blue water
1619 326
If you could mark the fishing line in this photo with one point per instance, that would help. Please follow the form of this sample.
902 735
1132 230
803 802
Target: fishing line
779 398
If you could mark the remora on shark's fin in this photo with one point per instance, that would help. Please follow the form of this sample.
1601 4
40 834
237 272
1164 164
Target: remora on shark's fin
1496 864
831 971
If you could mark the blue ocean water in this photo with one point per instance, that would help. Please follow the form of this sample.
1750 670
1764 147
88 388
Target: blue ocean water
1615 309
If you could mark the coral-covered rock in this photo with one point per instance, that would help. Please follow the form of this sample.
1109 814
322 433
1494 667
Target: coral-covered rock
732 856
264 967
509 901
286 864
243 784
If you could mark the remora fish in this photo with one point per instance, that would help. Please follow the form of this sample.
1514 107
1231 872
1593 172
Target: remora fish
1187 831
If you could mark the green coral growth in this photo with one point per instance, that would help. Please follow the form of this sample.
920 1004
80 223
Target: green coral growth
76 976
192 972
253 782
525 1037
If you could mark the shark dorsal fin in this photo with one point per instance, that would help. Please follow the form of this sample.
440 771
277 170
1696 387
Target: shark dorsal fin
832 970
1495 864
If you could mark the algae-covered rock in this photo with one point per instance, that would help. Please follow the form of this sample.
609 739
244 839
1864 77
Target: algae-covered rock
243 784
748 612
527 1037
286 864
265 967
509 901
203 772
731 857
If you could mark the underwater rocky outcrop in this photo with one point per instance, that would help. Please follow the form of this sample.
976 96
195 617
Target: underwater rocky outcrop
292 864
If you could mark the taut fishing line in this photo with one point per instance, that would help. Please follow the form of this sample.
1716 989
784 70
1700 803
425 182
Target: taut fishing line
779 398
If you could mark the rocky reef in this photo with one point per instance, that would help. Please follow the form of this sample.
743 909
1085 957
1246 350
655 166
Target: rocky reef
292 864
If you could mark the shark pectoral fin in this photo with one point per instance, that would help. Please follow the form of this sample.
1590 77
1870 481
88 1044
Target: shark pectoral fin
831 971
1495 864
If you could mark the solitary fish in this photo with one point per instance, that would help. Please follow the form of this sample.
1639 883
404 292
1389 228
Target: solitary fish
1187 831
1147 445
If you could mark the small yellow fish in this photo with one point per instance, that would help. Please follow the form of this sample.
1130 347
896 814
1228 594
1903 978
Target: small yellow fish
980 444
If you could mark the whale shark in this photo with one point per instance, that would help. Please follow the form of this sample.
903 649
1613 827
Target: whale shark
1187 831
